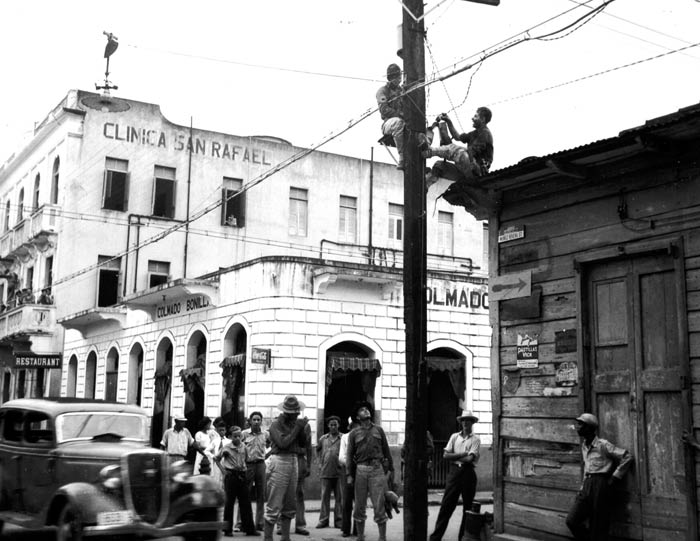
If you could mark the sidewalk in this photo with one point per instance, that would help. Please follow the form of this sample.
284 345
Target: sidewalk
394 527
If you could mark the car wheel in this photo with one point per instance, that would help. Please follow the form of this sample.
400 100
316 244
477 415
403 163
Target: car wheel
69 526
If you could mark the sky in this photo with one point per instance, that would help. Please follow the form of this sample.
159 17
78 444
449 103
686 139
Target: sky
307 69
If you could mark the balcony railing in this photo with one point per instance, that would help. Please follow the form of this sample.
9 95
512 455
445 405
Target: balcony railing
28 319
391 257
34 229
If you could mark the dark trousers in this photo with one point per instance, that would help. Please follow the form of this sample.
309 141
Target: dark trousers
300 518
460 480
256 489
591 504
236 487
348 499
331 485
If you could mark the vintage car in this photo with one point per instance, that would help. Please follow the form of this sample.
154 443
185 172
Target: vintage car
85 468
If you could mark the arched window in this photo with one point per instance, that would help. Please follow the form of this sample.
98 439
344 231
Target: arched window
35 198
6 226
54 181
111 375
135 377
20 206
90 375
72 379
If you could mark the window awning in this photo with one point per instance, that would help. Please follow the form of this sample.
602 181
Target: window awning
363 364
442 364
233 360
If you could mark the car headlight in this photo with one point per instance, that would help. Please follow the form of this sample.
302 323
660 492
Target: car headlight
110 476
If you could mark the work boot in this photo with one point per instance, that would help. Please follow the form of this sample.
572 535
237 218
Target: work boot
360 530
445 138
285 526
382 531
268 528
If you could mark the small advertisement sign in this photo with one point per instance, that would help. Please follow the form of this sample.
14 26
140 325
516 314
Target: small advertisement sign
527 351
261 356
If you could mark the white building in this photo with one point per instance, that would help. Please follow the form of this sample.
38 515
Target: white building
171 291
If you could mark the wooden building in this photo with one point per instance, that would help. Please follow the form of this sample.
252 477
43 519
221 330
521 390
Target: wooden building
595 262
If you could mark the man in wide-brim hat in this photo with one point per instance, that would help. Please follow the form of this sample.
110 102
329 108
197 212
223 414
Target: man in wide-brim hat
287 440
462 452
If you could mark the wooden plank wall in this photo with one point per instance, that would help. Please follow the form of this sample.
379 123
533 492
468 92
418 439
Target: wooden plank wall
538 451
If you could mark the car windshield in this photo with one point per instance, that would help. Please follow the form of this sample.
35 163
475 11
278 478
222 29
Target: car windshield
86 425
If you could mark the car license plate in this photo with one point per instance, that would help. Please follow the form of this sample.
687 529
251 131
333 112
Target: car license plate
113 518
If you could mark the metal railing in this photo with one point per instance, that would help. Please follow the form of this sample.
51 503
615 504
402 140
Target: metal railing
43 221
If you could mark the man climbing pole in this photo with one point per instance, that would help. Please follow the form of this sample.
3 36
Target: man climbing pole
475 159
391 109
468 163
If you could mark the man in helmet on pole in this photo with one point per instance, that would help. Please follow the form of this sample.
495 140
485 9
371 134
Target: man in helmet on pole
391 109
604 466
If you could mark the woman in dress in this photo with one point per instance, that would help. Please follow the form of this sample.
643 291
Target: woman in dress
204 443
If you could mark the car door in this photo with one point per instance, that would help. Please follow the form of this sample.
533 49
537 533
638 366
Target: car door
11 461
39 477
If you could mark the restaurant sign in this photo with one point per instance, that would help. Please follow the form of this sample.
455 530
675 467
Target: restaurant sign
34 360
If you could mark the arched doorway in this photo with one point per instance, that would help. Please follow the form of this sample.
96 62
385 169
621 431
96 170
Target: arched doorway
233 375
135 376
90 375
351 376
193 379
163 382
72 376
111 374
446 393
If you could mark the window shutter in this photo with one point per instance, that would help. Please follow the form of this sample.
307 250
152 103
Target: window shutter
239 209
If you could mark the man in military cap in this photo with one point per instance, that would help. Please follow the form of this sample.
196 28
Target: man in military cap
391 109
604 466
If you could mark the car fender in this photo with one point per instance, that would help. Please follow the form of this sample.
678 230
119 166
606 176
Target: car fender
88 499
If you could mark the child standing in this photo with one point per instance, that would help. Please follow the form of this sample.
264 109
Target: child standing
233 463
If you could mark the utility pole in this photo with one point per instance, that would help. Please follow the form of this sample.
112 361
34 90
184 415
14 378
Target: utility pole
414 277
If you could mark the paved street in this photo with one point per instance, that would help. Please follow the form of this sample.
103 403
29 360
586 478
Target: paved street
394 529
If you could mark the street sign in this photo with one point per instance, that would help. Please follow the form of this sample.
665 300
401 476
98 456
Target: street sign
510 286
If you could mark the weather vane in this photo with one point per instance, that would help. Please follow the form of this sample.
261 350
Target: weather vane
112 45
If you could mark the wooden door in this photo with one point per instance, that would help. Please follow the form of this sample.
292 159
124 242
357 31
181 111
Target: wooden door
636 378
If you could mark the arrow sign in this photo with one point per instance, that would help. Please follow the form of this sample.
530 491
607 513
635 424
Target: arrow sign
510 286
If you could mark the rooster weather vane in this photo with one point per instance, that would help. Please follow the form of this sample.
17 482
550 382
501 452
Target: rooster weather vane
112 44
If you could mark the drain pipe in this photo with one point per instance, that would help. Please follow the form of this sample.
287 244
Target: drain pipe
187 212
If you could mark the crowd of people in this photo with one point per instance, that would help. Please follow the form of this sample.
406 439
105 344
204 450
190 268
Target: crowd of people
268 467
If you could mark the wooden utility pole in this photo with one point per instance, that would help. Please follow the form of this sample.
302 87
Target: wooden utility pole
414 278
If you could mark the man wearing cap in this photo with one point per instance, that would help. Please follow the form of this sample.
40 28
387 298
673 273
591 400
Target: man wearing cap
328 451
391 109
287 439
462 452
177 440
368 460
600 477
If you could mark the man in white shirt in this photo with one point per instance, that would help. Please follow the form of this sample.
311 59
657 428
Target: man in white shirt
462 451
177 440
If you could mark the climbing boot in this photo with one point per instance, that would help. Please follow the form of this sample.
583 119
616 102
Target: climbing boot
285 527
360 530
268 528
382 531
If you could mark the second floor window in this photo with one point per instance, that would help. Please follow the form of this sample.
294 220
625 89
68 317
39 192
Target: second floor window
445 233
395 222
108 280
20 206
164 192
115 192
54 181
298 211
232 203
35 198
8 208
158 273
347 223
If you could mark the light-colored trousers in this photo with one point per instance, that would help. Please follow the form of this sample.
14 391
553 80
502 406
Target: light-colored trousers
282 474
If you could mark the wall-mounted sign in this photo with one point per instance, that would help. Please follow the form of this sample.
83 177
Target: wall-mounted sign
183 306
510 286
512 232
34 360
527 351
261 356
566 374
565 341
